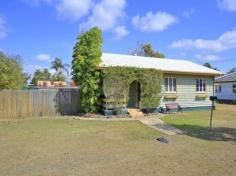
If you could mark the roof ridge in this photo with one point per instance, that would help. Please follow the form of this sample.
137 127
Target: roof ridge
148 57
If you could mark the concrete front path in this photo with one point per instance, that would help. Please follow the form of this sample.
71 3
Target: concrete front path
159 125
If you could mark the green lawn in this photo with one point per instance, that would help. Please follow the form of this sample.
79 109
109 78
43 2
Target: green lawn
197 123
75 147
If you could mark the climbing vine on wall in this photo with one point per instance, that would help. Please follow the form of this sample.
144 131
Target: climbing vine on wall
117 80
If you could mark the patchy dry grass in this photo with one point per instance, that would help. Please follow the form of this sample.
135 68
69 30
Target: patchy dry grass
75 147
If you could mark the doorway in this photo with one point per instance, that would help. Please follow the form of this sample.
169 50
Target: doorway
134 95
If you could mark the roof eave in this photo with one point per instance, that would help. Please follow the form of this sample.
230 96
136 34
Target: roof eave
191 73
224 81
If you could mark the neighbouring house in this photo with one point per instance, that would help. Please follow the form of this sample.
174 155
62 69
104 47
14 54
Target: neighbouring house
225 88
55 84
50 84
184 82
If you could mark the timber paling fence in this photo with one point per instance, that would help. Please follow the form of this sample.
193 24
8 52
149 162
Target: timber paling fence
16 104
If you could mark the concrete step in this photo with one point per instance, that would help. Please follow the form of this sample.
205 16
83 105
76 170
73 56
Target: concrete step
135 113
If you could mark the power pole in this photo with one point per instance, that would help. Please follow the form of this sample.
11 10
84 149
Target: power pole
213 99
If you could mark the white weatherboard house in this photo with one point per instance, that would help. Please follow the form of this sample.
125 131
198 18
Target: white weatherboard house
184 82
226 88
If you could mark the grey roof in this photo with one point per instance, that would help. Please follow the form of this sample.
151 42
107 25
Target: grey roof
227 78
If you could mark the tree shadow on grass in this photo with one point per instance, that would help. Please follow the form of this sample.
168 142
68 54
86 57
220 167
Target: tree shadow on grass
215 134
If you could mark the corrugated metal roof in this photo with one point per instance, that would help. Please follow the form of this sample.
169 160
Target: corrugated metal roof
165 65
227 78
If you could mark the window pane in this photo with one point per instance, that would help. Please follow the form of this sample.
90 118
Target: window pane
174 84
200 85
197 85
170 84
166 84
217 88
234 87
204 85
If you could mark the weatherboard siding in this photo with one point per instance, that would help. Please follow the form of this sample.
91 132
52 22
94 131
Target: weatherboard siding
226 91
186 91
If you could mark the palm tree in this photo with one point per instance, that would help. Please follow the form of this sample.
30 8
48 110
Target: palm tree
59 67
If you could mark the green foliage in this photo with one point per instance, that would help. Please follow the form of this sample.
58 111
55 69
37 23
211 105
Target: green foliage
208 65
118 79
149 52
39 75
45 75
146 49
58 77
86 58
11 74
60 68
151 88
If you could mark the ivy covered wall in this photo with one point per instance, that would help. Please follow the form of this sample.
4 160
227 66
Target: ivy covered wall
117 80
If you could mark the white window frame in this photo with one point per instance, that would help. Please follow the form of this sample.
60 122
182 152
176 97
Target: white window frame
200 85
171 88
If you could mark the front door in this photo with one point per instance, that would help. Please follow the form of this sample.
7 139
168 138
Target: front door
134 95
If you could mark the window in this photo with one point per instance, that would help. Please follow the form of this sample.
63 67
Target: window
218 88
170 84
200 85
234 88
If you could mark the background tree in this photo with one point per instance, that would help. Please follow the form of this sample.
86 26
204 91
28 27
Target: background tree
231 70
59 68
41 75
86 57
11 72
208 65
146 49
27 77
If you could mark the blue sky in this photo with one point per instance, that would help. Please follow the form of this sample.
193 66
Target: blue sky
196 30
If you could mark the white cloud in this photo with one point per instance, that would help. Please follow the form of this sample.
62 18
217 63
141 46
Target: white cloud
3 31
43 57
73 9
228 5
224 42
66 9
154 22
106 14
208 57
120 32
189 13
